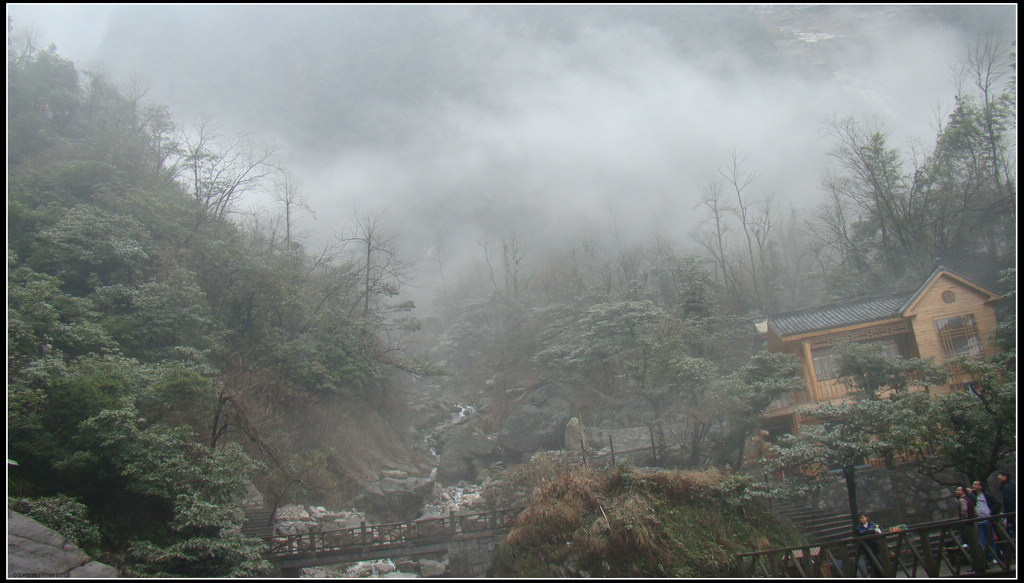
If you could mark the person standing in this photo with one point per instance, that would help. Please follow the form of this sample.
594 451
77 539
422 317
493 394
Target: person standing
964 503
1008 493
965 510
985 505
868 528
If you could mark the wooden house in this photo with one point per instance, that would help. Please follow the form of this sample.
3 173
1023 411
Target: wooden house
947 317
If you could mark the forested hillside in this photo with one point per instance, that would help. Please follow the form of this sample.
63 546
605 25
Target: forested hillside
161 355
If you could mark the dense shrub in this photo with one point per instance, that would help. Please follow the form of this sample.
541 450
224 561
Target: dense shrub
62 514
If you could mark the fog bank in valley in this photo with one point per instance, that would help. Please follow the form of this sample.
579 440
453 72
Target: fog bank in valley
471 123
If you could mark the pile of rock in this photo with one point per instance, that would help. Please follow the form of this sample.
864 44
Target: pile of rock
406 568
296 519
462 497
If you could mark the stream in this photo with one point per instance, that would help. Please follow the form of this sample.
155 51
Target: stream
300 519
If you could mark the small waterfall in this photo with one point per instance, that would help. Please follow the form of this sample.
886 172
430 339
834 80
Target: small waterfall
431 447
463 413
459 415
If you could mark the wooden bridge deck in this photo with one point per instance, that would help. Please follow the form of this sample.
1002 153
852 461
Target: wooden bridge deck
382 541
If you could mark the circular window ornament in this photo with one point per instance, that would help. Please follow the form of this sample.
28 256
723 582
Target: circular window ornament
948 297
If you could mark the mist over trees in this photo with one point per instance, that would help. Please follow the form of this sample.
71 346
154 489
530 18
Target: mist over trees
168 346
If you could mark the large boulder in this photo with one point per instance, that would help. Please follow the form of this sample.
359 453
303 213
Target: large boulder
461 446
431 568
398 500
34 550
538 422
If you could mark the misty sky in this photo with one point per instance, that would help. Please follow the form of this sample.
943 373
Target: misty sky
470 122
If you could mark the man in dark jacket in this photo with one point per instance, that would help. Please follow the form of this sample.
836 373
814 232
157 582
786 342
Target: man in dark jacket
1008 493
868 528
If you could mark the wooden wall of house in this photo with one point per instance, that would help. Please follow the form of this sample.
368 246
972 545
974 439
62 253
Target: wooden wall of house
796 348
930 307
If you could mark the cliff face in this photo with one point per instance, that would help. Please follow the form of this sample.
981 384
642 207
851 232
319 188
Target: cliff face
34 550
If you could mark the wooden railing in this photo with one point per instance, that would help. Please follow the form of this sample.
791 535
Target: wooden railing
368 538
935 549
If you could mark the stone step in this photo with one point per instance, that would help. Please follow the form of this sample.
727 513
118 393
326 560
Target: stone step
258 522
808 518
824 521
835 532
815 516
821 523
800 510
817 525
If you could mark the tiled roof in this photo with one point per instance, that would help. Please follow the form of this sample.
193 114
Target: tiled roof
861 311
839 315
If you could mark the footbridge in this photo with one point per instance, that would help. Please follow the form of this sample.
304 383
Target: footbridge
469 539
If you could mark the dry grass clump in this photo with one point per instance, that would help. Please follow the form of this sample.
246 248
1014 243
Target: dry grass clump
556 509
689 485
629 523
629 531
518 483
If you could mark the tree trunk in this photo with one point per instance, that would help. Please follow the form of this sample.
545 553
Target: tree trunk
850 475
695 445
743 431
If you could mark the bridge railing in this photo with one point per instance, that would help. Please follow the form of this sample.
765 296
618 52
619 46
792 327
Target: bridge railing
931 550
369 536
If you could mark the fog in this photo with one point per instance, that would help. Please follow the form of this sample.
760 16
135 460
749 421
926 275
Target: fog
469 123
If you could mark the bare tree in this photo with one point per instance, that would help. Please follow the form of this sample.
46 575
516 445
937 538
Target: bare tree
261 227
989 62
739 180
513 253
22 43
161 145
875 182
832 226
437 254
383 270
219 173
286 193
714 241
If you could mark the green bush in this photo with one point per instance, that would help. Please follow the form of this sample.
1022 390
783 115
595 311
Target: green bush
63 514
